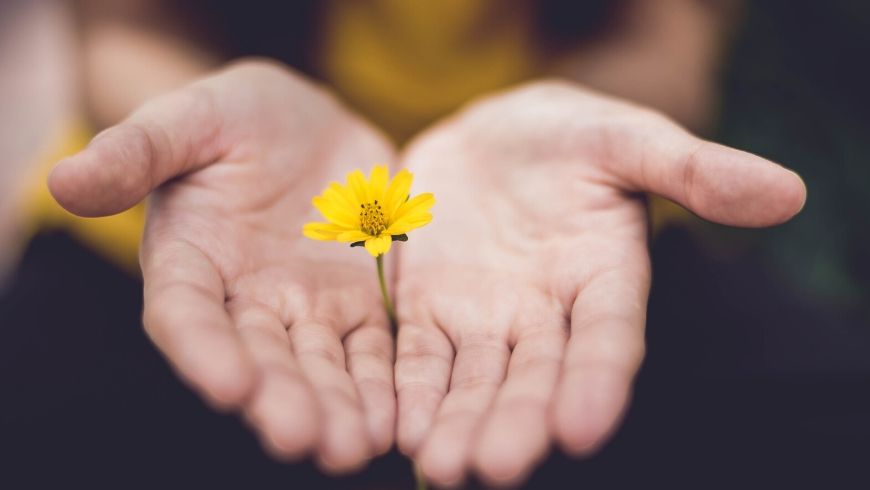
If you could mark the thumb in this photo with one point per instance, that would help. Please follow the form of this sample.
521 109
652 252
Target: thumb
718 183
168 136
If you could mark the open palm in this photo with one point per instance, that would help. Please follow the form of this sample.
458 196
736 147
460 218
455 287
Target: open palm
522 306
248 311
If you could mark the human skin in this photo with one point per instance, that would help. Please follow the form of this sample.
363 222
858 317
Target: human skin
254 316
521 306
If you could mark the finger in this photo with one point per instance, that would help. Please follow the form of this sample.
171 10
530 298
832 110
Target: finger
369 351
344 441
478 371
282 408
168 136
424 357
716 182
603 354
515 434
185 317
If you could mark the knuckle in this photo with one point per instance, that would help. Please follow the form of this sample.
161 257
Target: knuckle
690 172
129 160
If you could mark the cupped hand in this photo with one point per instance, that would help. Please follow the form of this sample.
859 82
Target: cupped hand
249 312
522 305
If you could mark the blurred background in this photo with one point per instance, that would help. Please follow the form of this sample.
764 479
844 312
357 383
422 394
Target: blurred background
758 367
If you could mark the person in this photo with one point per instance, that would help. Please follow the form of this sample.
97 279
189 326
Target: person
521 307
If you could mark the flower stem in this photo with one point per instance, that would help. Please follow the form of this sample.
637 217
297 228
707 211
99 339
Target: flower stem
388 303
391 313
418 475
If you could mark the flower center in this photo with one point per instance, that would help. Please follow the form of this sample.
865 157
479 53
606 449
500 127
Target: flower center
372 219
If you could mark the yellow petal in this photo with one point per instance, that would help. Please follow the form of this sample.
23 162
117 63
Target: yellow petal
351 236
397 193
407 224
336 213
379 245
378 182
419 204
357 182
342 196
322 231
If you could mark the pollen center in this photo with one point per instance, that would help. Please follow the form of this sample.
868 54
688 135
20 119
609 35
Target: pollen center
371 218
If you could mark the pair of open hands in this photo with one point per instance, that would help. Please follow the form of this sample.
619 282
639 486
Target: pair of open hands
521 306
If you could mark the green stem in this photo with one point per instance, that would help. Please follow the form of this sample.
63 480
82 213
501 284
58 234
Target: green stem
391 313
388 303
418 475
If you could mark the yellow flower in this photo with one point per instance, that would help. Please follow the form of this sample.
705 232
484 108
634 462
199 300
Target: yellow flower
371 212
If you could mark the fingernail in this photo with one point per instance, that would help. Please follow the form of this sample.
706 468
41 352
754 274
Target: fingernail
804 185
